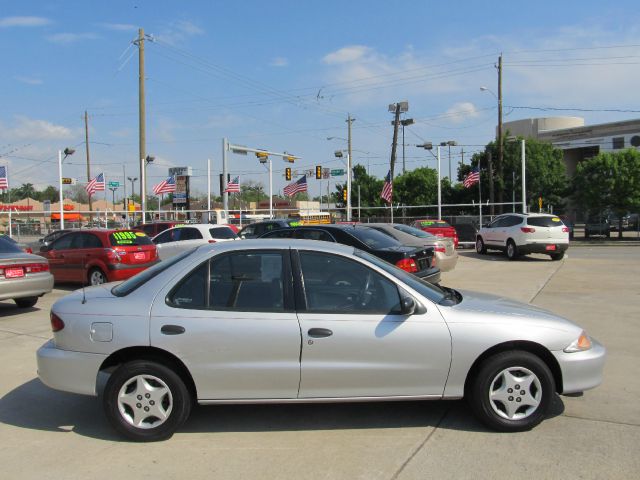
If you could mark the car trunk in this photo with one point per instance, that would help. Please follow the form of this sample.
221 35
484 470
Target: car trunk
133 247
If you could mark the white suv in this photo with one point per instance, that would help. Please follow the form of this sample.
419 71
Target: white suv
520 234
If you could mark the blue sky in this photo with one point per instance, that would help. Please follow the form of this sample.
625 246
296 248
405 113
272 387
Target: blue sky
283 75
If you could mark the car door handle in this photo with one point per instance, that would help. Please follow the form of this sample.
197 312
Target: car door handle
172 329
319 332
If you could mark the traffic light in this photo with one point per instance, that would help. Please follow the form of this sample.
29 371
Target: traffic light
344 194
318 172
287 174
289 158
262 156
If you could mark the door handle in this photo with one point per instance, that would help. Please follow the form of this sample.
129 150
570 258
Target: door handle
172 330
319 332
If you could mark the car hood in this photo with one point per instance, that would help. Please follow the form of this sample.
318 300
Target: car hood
486 308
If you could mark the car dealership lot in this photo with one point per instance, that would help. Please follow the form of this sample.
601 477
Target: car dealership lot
61 435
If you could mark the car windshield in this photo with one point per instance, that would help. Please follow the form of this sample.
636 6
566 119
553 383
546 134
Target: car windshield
126 238
222 233
426 289
416 232
7 245
373 238
544 222
125 288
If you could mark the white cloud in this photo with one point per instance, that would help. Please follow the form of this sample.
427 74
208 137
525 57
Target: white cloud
32 129
23 22
178 32
189 28
69 38
279 62
347 54
29 80
461 111
119 27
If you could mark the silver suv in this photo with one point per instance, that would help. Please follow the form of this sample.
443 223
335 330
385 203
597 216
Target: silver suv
519 234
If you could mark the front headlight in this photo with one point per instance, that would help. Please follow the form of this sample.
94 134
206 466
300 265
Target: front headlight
580 344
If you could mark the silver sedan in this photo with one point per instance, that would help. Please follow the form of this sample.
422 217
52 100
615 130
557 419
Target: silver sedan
304 321
23 277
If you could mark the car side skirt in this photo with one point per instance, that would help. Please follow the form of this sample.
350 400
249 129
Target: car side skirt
406 398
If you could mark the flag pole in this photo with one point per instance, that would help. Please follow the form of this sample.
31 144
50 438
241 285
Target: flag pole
480 196
106 219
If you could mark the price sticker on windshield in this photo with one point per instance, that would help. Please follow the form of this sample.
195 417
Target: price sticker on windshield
124 238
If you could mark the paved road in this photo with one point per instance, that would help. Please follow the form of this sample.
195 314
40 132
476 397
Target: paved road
48 434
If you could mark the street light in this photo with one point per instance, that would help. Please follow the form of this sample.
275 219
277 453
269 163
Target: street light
405 123
67 151
429 146
113 196
339 154
449 143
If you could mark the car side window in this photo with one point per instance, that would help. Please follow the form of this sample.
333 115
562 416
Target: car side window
89 240
247 281
247 231
191 291
189 234
337 284
310 234
64 242
281 233
164 237
512 221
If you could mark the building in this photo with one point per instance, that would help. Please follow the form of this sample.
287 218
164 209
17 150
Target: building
577 140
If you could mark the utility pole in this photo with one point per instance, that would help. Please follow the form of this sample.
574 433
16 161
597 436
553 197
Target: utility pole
500 149
490 171
86 144
141 112
349 169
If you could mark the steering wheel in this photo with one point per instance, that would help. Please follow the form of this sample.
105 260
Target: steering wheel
366 296
343 280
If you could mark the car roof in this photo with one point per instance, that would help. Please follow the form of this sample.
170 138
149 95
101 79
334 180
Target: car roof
279 243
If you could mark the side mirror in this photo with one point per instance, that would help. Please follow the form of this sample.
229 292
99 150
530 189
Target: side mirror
408 306
45 248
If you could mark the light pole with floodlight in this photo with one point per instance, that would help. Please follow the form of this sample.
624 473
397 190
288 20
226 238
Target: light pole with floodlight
429 146
67 151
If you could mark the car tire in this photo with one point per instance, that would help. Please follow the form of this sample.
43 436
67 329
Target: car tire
512 250
96 277
607 233
557 256
586 233
26 302
512 391
145 388
481 248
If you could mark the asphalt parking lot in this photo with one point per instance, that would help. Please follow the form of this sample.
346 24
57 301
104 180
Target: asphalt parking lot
49 434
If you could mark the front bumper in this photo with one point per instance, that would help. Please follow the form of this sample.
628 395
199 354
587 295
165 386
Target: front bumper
543 248
74 372
581 370
29 286
431 275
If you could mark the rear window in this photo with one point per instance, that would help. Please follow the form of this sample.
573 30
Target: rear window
129 238
128 286
544 222
373 238
433 223
8 246
416 232
222 233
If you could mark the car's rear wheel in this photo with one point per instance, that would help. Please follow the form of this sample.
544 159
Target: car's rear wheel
557 256
97 277
512 391
512 250
26 302
146 401
480 246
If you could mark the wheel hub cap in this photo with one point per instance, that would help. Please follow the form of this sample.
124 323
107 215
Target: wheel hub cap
515 393
145 401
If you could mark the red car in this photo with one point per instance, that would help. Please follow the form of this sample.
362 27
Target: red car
436 227
98 256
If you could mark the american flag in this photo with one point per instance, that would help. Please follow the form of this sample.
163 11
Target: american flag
168 185
233 186
4 181
387 188
471 178
95 185
299 185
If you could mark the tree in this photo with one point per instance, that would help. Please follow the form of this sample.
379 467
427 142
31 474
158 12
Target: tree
26 190
370 188
251 191
417 187
50 193
77 193
609 181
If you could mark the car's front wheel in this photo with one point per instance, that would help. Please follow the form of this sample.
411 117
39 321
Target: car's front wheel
146 401
26 302
480 246
512 391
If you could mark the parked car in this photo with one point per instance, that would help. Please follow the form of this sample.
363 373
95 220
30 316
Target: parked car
22 246
569 224
520 234
466 234
634 222
254 230
445 252
23 277
178 239
99 255
439 228
419 261
597 226
266 321
154 228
